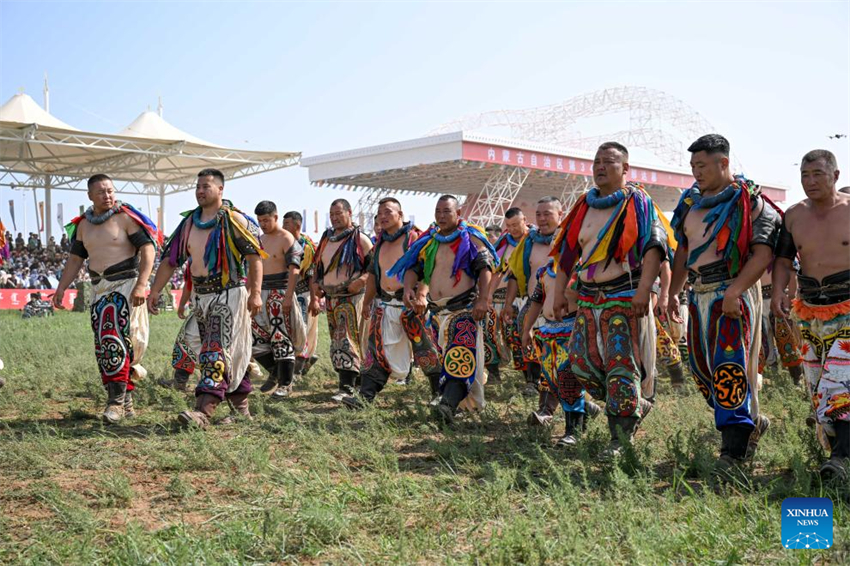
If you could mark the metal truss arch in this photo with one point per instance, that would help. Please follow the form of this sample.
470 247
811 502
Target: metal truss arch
658 122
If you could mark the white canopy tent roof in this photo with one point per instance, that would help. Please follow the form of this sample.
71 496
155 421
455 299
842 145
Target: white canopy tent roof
148 157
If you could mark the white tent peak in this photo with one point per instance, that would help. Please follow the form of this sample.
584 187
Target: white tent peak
150 125
22 109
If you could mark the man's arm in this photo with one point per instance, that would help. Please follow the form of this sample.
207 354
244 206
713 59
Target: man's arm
163 276
146 259
69 273
414 294
650 266
482 303
678 276
359 283
510 295
369 296
664 291
780 303
255 282
751 272
184 300
534 309
292 260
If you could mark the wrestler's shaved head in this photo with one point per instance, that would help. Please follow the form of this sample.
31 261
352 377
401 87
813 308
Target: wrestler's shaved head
615 145
389 200
610 166
101 192
448 198
515 222
819 174
710 162
389 217
548 214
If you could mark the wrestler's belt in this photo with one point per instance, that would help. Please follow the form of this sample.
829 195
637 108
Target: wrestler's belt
833 289
625 282
716 272
276 281
458 303
126 269
213 284
387 296
500 295
340 290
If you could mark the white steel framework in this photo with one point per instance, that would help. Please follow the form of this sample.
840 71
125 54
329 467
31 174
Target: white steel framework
497 195
658 122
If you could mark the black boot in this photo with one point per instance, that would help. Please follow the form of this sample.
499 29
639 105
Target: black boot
373 383
493 374
575 425
404 381
796 373
547 404
268 363
733 452
347 379
839 458
591 410
454 392
299 365
180 382
532 379
738 441
619 426
434 382
284 374
309 364
677 377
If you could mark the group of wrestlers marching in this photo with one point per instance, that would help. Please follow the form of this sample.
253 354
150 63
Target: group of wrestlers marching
585 302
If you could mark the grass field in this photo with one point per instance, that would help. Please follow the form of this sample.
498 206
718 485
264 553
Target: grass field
308 483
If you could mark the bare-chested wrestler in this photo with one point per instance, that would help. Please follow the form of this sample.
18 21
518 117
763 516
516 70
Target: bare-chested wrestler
531 254
120 245
304 360
615 239
447 270
816 230
395 331
342 267
725 231
503 340
551 340
217 243
278 329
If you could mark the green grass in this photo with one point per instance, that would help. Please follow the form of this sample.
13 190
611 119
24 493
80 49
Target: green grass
308 483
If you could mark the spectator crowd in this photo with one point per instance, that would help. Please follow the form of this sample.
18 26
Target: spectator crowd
34 265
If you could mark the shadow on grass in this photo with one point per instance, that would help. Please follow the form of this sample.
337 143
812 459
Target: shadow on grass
85 426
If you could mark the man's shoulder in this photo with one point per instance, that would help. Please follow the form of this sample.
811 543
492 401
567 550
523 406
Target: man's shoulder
796 211
240 217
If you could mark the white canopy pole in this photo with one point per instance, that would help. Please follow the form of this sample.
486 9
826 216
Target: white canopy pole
48 212
161 220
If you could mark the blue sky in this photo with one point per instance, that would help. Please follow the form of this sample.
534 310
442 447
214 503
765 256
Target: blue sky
323 77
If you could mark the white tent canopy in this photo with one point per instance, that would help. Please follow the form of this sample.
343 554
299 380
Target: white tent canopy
148 157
